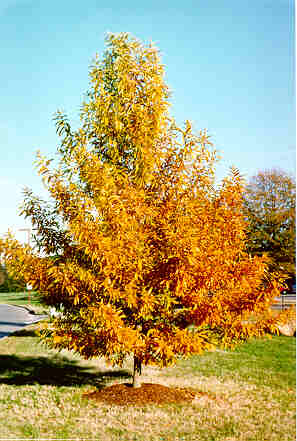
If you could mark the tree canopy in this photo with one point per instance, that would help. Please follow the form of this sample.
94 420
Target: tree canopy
9 284
144 255
270 207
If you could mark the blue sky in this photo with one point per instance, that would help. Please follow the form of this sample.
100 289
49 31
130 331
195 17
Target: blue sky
230 65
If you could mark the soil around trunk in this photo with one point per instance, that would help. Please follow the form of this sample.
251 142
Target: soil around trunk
147 393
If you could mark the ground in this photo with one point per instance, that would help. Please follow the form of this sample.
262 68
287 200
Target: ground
148 393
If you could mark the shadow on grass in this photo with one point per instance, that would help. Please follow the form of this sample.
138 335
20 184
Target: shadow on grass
24 333
55 371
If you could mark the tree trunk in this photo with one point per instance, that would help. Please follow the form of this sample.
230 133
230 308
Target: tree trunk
136 372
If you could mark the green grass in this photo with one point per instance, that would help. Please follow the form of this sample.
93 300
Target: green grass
31 300
251 395
263 362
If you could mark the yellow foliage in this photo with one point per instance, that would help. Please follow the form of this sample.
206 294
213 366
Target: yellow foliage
139 243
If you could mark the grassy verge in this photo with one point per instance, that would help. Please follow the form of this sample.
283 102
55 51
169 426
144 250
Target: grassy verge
31 300
254 390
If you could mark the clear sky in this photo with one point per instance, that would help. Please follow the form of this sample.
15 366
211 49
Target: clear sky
230 65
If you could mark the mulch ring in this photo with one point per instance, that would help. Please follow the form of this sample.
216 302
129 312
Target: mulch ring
147 393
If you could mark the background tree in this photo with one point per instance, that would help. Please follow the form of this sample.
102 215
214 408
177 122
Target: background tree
270 207
140 244
8 283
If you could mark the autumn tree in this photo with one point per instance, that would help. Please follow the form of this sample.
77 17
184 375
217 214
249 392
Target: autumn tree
270 207
144 254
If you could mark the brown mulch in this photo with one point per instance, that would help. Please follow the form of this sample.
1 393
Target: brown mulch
147 393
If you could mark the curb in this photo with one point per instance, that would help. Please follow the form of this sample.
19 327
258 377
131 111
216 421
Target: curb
30 311
42 317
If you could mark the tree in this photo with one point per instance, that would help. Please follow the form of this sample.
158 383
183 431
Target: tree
144 255
270 207
2 275
9 284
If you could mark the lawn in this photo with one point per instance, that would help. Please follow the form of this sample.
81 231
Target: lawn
251 395
30 300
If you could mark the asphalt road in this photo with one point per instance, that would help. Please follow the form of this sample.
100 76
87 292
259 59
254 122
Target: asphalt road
14 318
284 302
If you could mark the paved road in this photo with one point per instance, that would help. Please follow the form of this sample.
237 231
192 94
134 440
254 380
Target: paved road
14 318
284 302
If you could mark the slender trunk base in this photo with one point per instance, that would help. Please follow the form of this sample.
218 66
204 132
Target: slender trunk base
136 372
